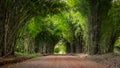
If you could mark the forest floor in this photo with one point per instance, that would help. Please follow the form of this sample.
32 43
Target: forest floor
69 61
12 60
111 60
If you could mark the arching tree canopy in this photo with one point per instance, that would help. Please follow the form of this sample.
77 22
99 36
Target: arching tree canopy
36 26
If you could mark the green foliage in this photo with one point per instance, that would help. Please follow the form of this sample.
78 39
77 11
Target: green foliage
50 24
52 28
35 26
110 25
114 14
117 46
56 50
117 43
60 48
33 55
62 28
83 7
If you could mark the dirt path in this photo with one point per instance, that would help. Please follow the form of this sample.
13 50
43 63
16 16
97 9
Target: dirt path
56 61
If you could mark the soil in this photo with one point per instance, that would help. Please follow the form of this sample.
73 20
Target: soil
11 60
69 61
56 61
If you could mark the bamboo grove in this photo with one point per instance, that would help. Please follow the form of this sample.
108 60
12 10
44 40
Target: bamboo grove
37 26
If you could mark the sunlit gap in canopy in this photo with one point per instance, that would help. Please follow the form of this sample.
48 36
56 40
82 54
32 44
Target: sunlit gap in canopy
60 48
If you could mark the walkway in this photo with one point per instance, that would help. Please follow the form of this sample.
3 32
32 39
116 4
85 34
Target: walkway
57 61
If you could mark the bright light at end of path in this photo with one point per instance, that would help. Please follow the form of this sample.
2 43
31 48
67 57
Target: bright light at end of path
63 0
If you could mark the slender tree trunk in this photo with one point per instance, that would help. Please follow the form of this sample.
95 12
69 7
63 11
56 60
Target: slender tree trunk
77 47
2 16
5 33
79 44
112 42
68 47
95 27
71 48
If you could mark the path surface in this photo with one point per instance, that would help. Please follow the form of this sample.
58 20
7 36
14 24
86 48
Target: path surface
57 61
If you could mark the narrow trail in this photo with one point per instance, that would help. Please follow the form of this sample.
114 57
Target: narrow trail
57 61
